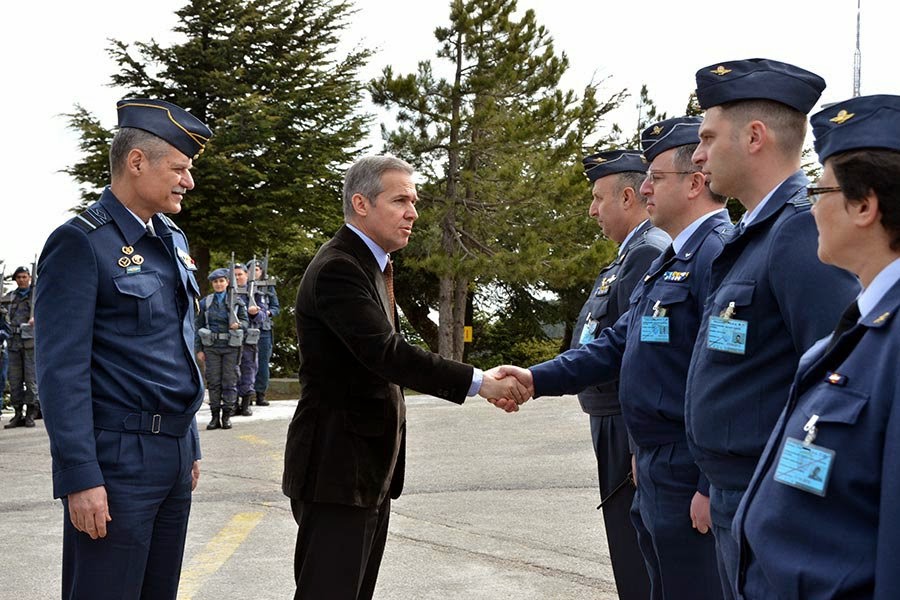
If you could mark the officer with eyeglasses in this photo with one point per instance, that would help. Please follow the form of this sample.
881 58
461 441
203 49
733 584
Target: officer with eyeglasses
819 519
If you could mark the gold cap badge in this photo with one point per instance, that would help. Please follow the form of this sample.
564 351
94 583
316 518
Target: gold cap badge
720 70
656 130
599 160
842 116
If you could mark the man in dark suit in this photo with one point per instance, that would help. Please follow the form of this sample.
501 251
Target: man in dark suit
344 455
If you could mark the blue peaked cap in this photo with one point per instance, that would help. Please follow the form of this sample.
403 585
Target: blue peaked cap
758 79
668 134
871 122
166 121
611 162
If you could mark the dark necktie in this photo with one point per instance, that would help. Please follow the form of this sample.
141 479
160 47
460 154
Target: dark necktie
669 254
389 284
848 320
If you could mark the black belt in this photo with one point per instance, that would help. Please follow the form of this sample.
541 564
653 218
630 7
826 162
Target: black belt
142 422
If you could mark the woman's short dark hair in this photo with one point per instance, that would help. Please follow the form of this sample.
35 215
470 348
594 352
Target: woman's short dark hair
861 172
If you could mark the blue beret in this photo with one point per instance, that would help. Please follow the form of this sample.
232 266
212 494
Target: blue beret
758 79
863 122
251 264
668 134
612 162
21 270
165 120
220 272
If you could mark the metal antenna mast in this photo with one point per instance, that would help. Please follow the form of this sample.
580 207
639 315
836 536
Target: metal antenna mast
857 57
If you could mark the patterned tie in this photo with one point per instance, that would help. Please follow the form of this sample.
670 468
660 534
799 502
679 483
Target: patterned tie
848 320
389 284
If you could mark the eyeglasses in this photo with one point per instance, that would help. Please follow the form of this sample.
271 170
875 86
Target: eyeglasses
655 176
814 193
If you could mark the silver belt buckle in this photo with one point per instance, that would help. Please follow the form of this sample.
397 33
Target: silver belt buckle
157 421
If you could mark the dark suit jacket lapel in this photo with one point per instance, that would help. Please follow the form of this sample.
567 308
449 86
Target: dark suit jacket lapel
351 242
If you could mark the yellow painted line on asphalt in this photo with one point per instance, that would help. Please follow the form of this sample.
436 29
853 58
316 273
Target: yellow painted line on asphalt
252 439
216 552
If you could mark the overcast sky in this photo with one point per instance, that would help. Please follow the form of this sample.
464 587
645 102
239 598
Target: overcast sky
54 56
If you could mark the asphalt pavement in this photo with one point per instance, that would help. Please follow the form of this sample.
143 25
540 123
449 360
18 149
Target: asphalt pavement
495 506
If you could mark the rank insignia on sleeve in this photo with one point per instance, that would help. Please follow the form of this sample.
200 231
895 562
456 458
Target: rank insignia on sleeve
836 378
676 275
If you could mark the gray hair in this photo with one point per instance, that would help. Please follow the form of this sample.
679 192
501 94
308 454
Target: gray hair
632 179
129 138
364 178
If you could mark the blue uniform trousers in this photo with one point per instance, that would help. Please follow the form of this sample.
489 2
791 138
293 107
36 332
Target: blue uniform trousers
681 560
148 487
264 349
723 505
22 377
249 366
610 439
222 375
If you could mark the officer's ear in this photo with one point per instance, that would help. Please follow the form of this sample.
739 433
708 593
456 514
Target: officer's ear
629 197
360 205
135 161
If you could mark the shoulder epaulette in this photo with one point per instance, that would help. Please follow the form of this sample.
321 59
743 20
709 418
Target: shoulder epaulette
800 201
169 222
92 219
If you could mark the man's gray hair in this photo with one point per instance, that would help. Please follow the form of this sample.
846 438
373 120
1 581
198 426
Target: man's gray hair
364 178
128 138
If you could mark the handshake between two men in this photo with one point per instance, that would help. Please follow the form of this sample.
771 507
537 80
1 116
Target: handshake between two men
507 387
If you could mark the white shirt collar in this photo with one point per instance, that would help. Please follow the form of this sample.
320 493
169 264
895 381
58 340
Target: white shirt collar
381 257
143 225
628 237
885 280
749 217
682 238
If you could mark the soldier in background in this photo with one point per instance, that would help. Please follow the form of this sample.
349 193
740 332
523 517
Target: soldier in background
249 362
220 325
269 307
23 389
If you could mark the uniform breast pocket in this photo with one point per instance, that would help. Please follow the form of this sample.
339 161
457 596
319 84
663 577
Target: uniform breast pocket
672 299
734 335
139 303
833 404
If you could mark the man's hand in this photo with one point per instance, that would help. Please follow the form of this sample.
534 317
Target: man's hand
506 387
195 474
234 326
89 511
201 356
253 310
634 474
700 518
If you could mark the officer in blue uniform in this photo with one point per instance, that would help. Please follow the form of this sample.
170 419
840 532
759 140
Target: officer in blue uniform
768 303
249 361
655 336
615 177
120 385
270 308
820 520
218 343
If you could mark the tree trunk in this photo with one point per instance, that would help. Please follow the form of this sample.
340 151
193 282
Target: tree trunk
445 319
200 254
460 295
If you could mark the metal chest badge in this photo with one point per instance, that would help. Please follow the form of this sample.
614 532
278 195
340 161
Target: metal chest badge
186 259
605 283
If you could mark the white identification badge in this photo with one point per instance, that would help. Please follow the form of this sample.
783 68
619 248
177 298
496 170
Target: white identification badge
655 329
588 332
804 466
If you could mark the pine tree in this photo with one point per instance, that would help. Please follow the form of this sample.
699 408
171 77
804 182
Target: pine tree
499 145
284 109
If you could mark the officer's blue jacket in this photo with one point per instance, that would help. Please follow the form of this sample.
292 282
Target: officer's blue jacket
214 316
608 300
260 317
796 544
114 312
653 378
789 299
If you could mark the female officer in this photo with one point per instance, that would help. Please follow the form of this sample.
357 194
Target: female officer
220 324
820 517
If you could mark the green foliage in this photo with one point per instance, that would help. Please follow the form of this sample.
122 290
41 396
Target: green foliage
284 110
499 144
